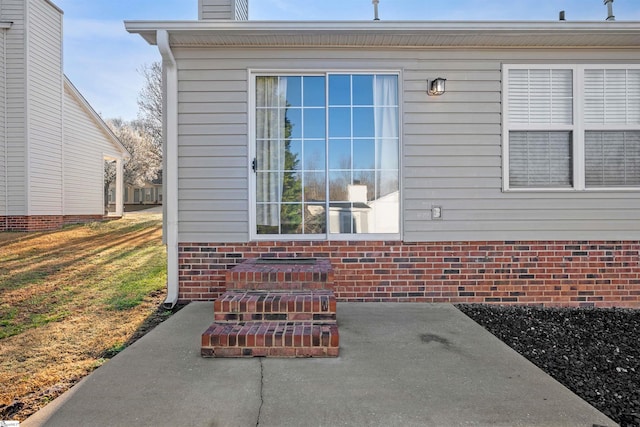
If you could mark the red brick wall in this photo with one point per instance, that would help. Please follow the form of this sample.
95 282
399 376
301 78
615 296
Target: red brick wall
43 222
559 273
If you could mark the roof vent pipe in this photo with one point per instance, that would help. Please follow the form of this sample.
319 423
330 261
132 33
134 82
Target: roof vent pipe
375 9
609 4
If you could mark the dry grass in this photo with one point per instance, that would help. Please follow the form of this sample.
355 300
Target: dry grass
71 298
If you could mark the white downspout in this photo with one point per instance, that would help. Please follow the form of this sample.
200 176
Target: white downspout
170 175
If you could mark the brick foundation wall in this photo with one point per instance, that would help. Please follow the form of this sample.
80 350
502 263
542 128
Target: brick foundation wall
31 222
43 222
558 273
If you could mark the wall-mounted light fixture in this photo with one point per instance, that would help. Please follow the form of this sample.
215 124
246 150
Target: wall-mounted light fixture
436 86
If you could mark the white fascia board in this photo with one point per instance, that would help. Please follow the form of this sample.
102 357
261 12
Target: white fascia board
483 29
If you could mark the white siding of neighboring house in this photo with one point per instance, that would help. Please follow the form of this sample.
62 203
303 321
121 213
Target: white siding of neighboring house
3 182
86 144
15 154
451 146
223 9
45 103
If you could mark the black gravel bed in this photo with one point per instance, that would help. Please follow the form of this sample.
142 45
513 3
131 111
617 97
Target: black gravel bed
594 352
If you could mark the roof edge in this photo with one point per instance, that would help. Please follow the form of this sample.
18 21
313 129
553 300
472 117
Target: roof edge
257 29
96 117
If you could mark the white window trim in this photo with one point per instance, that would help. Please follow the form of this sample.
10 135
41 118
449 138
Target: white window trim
578 128
251 117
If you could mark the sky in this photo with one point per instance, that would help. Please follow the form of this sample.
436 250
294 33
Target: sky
104 61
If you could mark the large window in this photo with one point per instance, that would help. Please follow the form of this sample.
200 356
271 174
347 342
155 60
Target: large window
571 127
326 154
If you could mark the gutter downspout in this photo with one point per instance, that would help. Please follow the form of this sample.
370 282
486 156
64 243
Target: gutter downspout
170 175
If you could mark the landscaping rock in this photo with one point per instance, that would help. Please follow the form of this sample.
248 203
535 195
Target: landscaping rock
592 351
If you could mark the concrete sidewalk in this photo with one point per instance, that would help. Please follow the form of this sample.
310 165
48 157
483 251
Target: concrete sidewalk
399 365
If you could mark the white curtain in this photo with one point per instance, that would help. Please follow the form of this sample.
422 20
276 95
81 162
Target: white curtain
270 147
386 123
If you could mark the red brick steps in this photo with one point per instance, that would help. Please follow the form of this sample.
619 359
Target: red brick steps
251 306
279 339
275 308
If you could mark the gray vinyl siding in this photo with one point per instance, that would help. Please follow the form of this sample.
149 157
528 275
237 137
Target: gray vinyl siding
451 146
15 142
223 9
3 171
85 145
44 114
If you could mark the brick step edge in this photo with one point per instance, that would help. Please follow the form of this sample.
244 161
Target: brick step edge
280 286
276 339
283 306
275 317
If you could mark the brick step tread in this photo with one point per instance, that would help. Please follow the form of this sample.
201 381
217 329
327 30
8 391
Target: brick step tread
273 305
282 339
286 274
278 285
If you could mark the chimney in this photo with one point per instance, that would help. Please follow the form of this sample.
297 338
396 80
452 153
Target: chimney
233 10
609 4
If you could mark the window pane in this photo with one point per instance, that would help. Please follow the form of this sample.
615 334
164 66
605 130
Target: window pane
339 90
386 90
612 159
268 218
315 188
387 154
364 154
315 218
612 96
362 90
363 122
338 183
291 219
268 186
293 123
540 159
387 183
314 122
314 155
314 92
292 155
268 154
292 86
268 123
340 154
541 96
339 122
291 187
364 186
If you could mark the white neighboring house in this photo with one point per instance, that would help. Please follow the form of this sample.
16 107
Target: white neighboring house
148 194
53 144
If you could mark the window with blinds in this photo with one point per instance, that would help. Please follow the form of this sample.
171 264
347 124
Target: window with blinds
540 99
575 127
